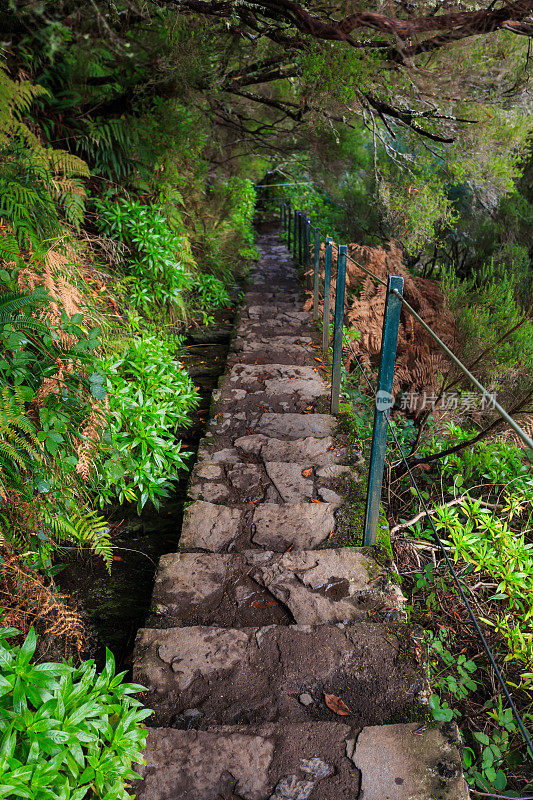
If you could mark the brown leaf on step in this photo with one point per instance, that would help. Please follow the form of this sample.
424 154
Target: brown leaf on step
308 304
315 500
250 431
307 472
330 535
288 550
309 410
320 361
337 705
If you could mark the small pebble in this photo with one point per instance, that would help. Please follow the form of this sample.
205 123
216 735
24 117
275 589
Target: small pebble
306 699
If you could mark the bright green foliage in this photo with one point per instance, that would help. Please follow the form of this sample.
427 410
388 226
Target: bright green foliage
150 398
66 733
487 542
162 271
160 267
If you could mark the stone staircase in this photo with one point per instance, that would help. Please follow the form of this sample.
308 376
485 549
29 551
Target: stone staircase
278 655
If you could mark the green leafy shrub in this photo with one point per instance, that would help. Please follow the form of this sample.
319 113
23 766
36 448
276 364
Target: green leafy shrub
150 398
66 732
161 264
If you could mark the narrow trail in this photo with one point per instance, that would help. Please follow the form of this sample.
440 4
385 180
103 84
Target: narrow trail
275 658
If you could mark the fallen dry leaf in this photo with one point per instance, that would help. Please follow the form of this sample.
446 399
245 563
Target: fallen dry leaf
307 472
337 705
315 500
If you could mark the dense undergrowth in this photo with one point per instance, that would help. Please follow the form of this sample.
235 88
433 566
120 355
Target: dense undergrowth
480 497
110 249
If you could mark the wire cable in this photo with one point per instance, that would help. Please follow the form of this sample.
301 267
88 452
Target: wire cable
503 413
516 428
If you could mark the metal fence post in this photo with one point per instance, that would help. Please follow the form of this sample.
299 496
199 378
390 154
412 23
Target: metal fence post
316 274
294 233
384 401
289 223
338 329
307 250
327 295
300 237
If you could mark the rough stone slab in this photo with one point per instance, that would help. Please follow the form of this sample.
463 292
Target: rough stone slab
255 675
252 329
327 585
402 762
264 342
284 312
296 426
303 526
266 762
243 483
290 355
209 527
291 484
278 379
262 588
309 451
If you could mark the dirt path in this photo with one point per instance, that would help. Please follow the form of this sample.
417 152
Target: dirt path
274 658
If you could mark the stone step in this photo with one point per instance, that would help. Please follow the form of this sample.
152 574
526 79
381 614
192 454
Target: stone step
252 297
296 426
287 313
285 350
274 325
240 483
271 387
267 674
253 588
226 426
277 527
313 452
313 760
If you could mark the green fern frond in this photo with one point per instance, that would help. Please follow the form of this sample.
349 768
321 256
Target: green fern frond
84 526
19 446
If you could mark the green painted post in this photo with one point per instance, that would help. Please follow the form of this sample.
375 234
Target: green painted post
384 401
327 295
307 250
289 224
300 237
316 274
338 328
295 241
